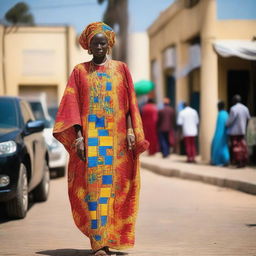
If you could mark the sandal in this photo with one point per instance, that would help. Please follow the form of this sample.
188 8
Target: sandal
101 252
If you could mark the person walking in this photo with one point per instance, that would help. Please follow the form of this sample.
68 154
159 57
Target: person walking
188 120
237 124
99 124
149 120
165 126
219 149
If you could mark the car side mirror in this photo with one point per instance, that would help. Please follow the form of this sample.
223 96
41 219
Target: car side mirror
35 126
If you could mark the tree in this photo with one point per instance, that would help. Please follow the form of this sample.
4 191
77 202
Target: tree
116 14
19 14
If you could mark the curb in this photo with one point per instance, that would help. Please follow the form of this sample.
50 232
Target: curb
239 185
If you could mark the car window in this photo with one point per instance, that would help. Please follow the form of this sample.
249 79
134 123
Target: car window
8 116
38 112
26 112
53 112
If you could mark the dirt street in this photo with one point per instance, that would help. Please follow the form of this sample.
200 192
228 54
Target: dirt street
176 217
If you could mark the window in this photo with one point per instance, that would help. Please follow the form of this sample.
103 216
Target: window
38 111
26 112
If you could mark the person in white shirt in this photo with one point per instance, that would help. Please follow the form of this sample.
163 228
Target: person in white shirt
188 119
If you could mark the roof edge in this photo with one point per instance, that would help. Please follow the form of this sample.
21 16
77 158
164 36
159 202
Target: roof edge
165 16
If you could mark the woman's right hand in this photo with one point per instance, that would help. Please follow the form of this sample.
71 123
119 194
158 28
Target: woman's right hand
80 150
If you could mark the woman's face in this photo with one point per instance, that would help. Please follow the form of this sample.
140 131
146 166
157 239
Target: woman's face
99 45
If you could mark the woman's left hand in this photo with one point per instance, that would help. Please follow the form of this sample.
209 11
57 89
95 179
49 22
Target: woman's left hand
131 141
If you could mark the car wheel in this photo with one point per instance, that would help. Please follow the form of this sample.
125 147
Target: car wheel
61 172
41 192
17 207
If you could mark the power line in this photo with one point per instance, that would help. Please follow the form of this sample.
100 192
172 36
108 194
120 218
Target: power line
61 6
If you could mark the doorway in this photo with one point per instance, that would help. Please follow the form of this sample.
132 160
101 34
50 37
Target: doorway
170 89
35 91
238 83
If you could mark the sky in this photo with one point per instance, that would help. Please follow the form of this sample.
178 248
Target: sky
236 9
79 13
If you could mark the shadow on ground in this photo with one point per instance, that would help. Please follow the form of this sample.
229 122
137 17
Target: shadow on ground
251 225
73 252
65 252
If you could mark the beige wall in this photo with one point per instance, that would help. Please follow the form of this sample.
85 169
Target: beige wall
38 59
194 80
138 56
78 54
235 29
30 61
182 90
81 55
41 59
176 26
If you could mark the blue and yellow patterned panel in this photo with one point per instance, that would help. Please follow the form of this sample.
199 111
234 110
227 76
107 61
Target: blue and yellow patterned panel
108 86
103 220
103 200
97 237
107 179
100 150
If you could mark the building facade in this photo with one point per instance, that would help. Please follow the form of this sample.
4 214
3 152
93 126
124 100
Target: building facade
193 59
38 60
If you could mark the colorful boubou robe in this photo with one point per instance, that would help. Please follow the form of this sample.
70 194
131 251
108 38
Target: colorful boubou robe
104 189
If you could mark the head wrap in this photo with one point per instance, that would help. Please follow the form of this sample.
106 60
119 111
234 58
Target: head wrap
95 28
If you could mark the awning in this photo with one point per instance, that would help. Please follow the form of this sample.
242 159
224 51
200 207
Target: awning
239 48
194 61
169 57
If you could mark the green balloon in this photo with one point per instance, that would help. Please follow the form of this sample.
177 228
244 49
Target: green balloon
143 87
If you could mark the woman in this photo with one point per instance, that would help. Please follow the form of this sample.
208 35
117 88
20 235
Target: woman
219 150
99 124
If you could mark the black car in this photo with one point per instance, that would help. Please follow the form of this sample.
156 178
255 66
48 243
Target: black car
23 157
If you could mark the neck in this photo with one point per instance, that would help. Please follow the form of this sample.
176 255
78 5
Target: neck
99 60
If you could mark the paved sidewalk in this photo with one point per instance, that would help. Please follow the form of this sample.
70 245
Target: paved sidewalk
243 179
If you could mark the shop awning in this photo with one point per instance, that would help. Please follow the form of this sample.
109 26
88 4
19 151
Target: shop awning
239 48
194 61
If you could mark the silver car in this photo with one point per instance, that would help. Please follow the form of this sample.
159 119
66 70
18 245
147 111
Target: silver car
57 152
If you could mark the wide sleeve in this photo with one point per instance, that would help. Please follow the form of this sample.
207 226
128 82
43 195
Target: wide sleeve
68 113
141 144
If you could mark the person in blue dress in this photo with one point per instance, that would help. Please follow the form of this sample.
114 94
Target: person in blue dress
219 149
